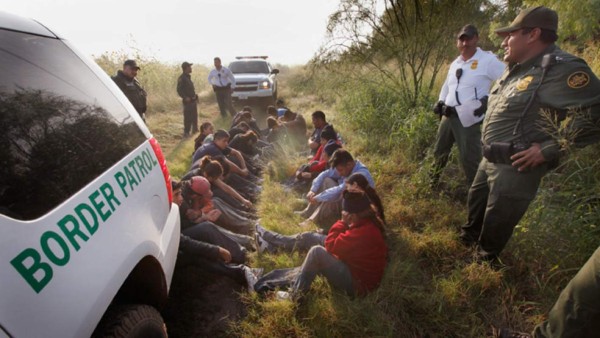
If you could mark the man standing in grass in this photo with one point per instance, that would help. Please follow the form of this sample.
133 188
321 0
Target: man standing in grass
467 85
131 87
187 92
542 82
223 83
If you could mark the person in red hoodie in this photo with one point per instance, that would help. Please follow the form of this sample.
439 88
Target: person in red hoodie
355 253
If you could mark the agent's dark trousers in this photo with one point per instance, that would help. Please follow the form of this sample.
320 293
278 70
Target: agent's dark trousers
577 309
224 101
468 141
190 117
498 198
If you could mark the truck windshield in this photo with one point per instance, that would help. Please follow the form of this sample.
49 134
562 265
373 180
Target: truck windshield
249 67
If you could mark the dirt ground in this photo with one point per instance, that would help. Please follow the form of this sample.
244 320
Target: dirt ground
202 304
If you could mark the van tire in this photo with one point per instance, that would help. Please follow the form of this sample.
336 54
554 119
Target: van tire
131 321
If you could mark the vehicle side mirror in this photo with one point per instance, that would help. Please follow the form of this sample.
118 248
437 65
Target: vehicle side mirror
275 71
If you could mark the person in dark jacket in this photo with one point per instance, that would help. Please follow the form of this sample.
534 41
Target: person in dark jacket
205 245
187 92
126 81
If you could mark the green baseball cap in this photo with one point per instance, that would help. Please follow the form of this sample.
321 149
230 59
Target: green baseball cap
535 17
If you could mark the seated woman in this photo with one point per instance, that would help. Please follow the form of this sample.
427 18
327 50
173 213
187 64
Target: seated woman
209 247
206 135
354 254
270 241
213 171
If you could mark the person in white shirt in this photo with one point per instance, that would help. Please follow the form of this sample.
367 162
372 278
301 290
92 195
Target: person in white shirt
462 104
223 83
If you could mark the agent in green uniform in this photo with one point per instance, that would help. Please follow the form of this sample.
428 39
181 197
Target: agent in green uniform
576 313
541 80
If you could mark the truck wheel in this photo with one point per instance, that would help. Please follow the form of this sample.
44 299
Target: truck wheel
131 321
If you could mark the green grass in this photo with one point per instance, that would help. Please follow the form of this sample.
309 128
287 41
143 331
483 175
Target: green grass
430 286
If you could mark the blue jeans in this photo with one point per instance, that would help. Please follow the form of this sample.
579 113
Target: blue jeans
301 242
320 262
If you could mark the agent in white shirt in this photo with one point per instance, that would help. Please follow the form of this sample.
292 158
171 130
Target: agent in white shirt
462 104
223 83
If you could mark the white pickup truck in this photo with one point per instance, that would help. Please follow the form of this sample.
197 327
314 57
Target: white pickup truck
254 79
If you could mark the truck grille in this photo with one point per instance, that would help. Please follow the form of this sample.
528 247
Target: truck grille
246 87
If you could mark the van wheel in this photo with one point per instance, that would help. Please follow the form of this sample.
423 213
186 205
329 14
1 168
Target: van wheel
131 321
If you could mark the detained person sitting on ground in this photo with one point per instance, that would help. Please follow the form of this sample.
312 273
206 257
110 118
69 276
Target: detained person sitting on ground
202 206
319 122
212 170
206 246
296 127
246 143
354 256
328 139
270 241
197 208
281 108
276 132
219 146
308 172
207 130
243 186
325 195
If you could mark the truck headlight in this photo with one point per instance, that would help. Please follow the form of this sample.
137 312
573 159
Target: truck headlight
264 85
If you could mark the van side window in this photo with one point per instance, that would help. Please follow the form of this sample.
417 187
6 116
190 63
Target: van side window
61 126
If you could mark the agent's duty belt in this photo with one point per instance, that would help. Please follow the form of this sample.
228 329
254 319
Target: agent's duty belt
500 152
219 88
449 111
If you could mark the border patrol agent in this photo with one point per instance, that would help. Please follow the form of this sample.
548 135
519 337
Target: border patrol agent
126 81
189 99
223 83
541 80
469 78
577 310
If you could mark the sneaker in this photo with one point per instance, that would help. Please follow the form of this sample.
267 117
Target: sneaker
259 229
283 295
262 246
508 333
252 275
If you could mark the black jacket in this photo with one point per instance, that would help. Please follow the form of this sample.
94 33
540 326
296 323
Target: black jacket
133 90
185 86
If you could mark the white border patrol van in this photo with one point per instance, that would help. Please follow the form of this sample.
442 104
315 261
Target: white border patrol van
87 224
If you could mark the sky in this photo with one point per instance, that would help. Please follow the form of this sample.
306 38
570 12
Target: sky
288 31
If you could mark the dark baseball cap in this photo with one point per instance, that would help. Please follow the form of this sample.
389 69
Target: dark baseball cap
468 31
186 64
534 17
131 63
